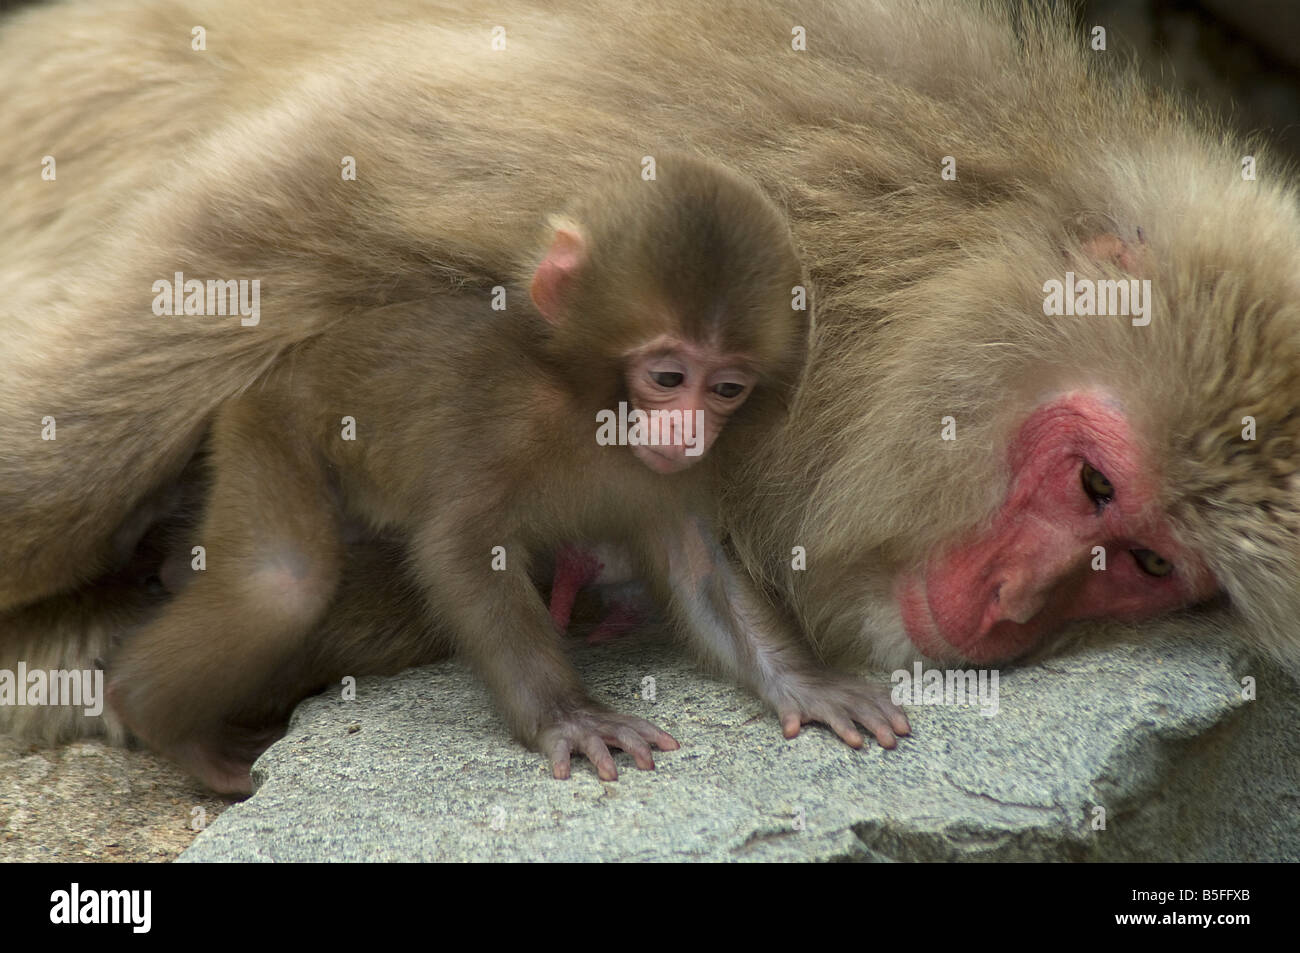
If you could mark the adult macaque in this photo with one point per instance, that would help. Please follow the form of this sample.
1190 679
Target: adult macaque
956 456
479 448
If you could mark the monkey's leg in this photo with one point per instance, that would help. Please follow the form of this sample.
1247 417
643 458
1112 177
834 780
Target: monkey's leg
378 623
500 624
735 627
271 564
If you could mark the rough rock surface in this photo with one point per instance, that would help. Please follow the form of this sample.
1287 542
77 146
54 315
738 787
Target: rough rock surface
419 767
87 801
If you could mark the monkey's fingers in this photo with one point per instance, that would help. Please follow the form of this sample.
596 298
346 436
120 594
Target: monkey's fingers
876 723
559 755
660 739
793 720
595 750
597 753
634 736
841 701
878 717
594 733
848 733
636 740
898 721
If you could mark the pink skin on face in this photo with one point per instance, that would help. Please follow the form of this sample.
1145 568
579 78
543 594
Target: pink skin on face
668 374
995 596
702 378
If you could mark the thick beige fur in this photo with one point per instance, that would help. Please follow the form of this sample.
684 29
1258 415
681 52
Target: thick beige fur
225 163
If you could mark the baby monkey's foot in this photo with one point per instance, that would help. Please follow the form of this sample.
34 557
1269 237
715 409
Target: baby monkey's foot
842 702
592 730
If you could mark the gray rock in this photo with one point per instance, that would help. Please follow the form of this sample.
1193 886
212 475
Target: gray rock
420 768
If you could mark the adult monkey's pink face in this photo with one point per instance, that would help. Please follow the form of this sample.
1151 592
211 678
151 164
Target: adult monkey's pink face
1078 480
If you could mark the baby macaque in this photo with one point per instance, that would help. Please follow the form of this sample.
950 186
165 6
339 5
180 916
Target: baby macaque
660 310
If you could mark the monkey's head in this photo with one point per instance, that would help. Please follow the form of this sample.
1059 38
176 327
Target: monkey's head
1009 466
682 295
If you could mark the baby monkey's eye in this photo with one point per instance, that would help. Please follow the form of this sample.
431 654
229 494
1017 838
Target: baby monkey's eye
667 378
1096 485
729 391
1151 563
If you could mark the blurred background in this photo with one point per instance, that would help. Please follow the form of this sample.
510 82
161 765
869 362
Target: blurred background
1239 57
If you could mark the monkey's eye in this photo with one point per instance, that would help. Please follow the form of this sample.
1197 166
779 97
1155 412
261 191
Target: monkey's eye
1153 564
667 379
729 391
1096 485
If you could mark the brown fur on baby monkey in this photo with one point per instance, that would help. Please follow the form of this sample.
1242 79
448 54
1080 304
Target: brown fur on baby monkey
685 286
476 445
658 287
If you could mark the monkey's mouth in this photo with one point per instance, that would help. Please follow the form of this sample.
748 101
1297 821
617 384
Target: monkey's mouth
996 642
661 462
918 620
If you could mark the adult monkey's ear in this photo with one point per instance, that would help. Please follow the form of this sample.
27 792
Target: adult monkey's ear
1110 247
554 277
